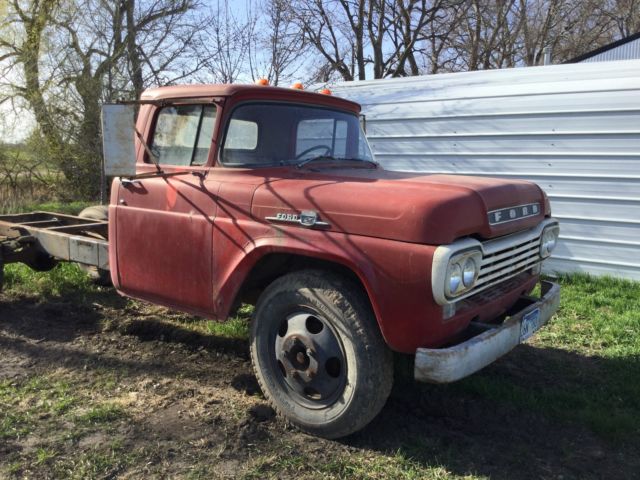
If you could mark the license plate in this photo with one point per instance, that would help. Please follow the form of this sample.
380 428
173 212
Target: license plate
530 323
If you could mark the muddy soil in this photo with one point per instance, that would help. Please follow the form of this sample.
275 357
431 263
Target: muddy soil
192 405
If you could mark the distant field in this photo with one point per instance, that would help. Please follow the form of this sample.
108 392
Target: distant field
93 385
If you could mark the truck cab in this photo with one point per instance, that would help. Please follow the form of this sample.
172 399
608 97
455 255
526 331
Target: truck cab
272 196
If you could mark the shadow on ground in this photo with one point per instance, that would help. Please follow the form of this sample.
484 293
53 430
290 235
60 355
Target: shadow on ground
488 425
530 415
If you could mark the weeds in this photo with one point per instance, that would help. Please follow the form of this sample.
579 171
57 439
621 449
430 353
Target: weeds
579 372
43 455
594 342
65 278
102 414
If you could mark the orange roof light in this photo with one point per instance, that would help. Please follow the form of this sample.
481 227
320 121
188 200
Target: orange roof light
297 86
325 91
262 81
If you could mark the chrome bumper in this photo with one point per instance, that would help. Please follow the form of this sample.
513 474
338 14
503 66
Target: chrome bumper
444 365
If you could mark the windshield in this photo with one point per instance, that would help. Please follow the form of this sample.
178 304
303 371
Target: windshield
262 134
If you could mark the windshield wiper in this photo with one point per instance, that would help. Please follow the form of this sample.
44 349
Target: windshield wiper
331 158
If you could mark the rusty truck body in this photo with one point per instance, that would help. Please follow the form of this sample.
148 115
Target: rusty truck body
270 196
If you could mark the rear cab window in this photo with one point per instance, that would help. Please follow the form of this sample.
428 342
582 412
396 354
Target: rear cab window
315 135
183 134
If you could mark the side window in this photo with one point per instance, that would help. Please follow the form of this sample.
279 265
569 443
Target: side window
183 134
321 135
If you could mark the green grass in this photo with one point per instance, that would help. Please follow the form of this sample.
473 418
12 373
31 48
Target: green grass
95 464
65 278
598 316
102 414
54 410
43 456
70 208
582 369
236 327
23 403
594 346
353 466
56 206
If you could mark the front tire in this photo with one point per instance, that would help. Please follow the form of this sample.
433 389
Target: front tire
318 354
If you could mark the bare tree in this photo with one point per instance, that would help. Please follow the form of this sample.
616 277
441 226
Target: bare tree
63 63
279 47
224 45
324 27
623 15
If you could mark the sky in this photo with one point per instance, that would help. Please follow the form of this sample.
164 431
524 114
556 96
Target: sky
16 126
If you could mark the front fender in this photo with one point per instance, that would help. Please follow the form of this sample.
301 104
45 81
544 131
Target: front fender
395 275
229 281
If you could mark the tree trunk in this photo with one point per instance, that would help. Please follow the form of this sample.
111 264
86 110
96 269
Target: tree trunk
132 50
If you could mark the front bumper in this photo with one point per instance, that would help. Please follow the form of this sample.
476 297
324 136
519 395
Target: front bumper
444 365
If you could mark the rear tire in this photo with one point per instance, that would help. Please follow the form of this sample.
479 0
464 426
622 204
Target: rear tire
97 275
318 354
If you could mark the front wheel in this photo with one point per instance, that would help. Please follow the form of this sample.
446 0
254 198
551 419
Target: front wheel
318 353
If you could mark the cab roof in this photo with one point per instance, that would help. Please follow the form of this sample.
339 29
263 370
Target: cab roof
247 92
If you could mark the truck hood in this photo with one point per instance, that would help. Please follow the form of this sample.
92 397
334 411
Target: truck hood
409 207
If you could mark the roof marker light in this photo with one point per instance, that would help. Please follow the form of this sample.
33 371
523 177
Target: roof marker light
326 91
262 81
297 86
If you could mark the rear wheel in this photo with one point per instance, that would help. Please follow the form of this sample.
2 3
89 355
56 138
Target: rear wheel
318 353
97 275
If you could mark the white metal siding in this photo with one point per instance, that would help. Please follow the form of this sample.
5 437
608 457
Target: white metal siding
573 129
627 51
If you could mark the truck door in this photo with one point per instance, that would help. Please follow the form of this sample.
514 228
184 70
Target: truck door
164 224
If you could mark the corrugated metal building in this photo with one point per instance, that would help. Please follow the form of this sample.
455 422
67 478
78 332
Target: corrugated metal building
625 49
574 129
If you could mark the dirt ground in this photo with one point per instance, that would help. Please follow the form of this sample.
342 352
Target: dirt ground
146 398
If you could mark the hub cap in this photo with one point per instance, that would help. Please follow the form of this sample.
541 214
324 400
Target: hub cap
310 358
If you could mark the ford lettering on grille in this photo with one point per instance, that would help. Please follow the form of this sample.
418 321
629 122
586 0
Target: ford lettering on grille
513 213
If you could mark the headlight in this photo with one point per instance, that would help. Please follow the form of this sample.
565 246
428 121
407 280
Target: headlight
549 240
469 272
462 272
454 278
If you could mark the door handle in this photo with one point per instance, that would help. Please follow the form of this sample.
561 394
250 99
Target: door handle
127 182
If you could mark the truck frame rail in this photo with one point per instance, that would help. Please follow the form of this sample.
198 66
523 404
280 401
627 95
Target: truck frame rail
39 239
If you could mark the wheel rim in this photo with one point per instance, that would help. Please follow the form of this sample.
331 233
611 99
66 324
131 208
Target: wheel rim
310 359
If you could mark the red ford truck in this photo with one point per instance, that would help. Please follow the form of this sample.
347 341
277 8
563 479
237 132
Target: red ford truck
237 194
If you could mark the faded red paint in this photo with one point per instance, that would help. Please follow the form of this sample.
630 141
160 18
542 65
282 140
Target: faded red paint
189 242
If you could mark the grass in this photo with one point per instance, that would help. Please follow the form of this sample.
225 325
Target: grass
598 316
42 197
580 370
65 278
23 403
596 341
52 408
102 414
352 466
43 456
70 208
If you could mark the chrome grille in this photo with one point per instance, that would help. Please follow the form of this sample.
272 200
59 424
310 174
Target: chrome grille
502 258
508 262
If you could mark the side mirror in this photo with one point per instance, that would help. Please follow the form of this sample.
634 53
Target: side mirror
118 144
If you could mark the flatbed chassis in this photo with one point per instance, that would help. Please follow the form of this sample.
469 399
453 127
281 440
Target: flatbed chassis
40 239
